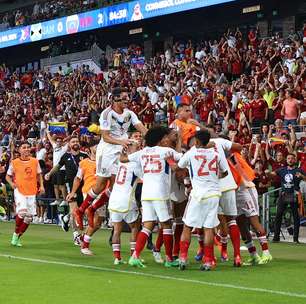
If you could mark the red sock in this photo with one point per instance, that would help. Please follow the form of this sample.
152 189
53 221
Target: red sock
23 227
159 240
90 197
141 241
263 241
200 233
208 254
251 247
168 241
224 245
184 246
116 251
177 237
86 241
235 236
101 201
18 223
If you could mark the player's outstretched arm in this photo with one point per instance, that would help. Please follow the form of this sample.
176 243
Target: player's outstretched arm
141 128
75 187
114 141
53 170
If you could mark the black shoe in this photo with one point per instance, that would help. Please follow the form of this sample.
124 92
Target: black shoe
276 240
296 241
65 222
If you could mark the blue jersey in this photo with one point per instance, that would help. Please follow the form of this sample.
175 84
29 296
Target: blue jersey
289 181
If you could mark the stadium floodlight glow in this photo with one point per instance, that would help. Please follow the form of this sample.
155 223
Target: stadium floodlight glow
100 18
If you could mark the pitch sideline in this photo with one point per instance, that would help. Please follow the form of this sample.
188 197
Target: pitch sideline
231 286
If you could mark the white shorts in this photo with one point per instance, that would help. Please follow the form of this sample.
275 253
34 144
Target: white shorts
156 210
25 203
107 160
129 217
227 205
202 214
247 202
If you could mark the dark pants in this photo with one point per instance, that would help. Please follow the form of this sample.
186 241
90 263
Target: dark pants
282 203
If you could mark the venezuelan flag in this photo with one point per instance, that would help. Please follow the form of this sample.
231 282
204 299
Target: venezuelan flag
276 141
58 127
184 99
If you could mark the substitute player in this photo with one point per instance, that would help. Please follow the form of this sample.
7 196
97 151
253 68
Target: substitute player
23 175
87 173
115 122
155 193
202 208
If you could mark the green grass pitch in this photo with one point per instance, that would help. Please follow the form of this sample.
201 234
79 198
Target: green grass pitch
49 269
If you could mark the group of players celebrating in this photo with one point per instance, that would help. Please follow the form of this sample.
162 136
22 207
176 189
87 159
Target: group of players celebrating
191 181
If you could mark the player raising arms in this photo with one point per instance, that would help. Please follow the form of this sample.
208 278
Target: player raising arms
122 203
202 209
23 175
155 193
114 123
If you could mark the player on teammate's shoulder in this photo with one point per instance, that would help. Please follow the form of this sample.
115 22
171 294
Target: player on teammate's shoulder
115 122
205 167
155 194
23 175
122 204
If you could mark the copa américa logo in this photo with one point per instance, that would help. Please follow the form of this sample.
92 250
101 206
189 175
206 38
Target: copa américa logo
72 24
36 32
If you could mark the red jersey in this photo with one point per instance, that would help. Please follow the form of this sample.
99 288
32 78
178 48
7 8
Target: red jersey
258 109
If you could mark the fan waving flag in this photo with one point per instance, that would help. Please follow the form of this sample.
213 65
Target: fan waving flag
58 127
184 99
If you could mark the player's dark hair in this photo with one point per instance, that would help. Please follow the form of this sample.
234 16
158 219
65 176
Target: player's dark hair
23 142
92 142
203 136
155 135
73 137
180 106
292 154
118 90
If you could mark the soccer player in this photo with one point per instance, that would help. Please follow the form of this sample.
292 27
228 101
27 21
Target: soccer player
204 166
87 174
71 162
228 199
114 123
122 204
155 192
23 175
248 213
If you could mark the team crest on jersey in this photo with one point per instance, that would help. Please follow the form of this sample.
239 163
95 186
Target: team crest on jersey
28 171
127 118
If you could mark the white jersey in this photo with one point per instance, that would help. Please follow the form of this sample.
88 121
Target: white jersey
122 196
117 124
222 146
204 165
155 169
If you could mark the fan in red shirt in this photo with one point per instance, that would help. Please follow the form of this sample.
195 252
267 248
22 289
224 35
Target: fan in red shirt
276 163
262 180
258 111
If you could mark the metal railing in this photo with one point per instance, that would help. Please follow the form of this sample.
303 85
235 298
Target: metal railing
266 200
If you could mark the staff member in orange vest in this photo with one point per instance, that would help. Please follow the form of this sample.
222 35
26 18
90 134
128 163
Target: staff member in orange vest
184 123
23 175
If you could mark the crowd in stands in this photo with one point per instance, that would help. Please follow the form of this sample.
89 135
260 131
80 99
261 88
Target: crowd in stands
41 11
250 89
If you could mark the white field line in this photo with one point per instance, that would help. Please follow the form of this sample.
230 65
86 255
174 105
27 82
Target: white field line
157 276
